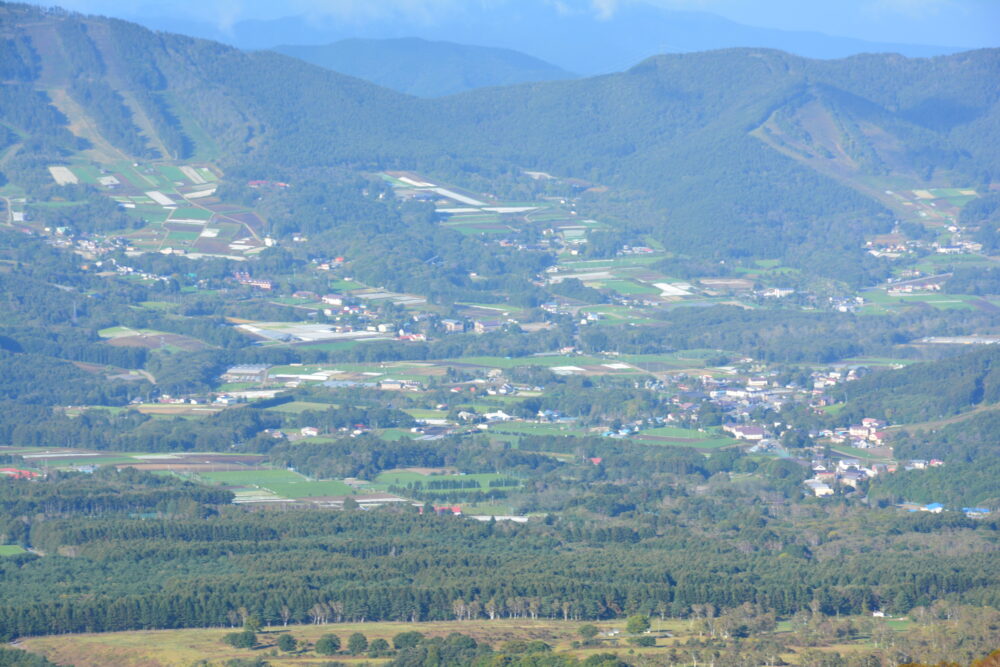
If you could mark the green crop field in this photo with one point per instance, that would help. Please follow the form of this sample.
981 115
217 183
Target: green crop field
345 285
708 443
296 407
522 428
402 478
862 454
308 489
332 346
261 477
514 362
394 434
943 301
418 413
11 550
113 332
473 229
879 361
627 287
141 181
172 173
86 173
879 300
191 213
678 432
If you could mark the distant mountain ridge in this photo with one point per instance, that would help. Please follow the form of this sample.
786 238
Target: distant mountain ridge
577 41
426 69
739 153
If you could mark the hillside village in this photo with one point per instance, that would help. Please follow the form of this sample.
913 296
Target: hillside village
700 401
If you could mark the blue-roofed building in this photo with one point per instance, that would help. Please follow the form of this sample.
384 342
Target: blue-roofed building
936 508
976 512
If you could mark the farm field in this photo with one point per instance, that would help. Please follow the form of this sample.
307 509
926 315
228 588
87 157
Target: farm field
368 373
11 550
64 458
178 409
310 489
332 347
479 214
173 206
626 287
296 407
280 483
877 361
612 314
150 338
418 413
182 648
526 428
259 477
881 301
668 436
677 432
394 434
865 455
534 360
682 360
403 478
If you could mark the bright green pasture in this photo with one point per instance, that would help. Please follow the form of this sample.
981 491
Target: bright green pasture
296 407
514 362
402 478
628 287
677 432
191 213
525 428
261 477
309 489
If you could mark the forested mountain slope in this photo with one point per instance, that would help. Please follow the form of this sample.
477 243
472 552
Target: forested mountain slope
425 68
726 154
927 390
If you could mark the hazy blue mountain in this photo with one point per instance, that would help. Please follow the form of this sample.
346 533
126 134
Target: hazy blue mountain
577 41
426 69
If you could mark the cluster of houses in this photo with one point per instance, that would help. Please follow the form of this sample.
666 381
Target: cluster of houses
739 397
919 287
846 304
823 380
122 270
938 508
244 278
845 472
895 245
827 476
17 473
869 433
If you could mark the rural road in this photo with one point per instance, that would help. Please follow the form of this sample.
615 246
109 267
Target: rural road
10 211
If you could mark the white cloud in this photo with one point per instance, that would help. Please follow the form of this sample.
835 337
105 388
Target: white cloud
910 8
605 8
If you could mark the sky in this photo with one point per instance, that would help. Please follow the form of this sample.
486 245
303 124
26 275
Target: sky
956 23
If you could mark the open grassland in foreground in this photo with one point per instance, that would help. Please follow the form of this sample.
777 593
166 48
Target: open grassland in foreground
182 648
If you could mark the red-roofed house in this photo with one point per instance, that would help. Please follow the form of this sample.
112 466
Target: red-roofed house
19 474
